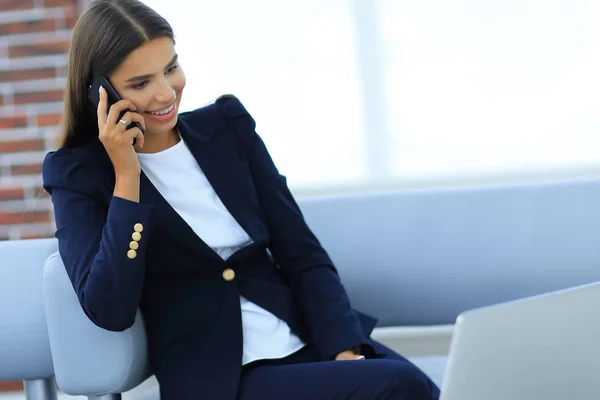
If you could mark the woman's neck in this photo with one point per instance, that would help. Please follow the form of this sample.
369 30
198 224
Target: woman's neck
153 143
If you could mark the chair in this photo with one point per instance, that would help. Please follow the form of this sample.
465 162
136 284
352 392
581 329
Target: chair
89 360
24 346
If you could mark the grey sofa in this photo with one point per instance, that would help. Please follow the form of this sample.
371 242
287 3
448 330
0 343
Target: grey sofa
24 345
415 259
420 258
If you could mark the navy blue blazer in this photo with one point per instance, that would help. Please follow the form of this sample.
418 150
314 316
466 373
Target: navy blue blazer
191 312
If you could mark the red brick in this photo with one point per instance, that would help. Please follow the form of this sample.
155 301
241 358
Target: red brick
28 74
12 194
41 25
23 145
10 5
19 121
39 49
60 3
48 120
11 386
28 169
39 97
70 21
25 217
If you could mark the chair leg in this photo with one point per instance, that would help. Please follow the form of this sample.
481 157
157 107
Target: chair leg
106 397
40 389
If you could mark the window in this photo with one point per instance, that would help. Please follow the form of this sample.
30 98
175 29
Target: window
491 86
357 92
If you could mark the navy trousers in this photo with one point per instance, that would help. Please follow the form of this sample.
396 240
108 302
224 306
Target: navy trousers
388 376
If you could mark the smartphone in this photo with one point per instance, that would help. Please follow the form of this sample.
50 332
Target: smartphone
113 97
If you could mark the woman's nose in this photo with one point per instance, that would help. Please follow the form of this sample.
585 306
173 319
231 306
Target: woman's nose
165 92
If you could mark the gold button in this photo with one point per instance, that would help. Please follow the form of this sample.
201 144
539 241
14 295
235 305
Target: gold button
132 254
136 236
138 227
228 274
134 245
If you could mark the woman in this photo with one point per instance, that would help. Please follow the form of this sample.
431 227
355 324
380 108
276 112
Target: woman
192 223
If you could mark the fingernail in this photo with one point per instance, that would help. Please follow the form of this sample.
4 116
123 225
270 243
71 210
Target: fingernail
361 357
100 89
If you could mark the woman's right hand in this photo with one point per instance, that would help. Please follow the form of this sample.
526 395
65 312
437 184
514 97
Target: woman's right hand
117 139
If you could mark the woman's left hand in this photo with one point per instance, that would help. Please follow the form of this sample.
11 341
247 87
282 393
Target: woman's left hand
348 355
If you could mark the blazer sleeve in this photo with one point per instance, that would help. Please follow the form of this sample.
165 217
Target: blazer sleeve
332 323
94 244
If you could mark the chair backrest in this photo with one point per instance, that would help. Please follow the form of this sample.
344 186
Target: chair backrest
89 360
422 257
24 345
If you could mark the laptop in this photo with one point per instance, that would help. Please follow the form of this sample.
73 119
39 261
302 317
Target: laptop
543 347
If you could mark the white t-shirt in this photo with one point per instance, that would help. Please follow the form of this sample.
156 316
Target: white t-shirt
177 176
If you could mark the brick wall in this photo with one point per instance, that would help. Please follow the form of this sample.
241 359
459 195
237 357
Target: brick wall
34 38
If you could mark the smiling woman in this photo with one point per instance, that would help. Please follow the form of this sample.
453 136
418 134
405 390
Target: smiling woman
130 47
194 225
153 81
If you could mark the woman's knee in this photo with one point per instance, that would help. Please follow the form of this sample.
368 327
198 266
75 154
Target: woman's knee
409 383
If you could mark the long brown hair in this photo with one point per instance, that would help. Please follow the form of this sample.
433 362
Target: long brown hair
104 35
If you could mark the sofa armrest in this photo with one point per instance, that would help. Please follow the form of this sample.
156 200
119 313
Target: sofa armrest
24 346
416 341
89 360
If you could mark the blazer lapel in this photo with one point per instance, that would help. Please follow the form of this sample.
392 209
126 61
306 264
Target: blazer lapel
227 173
170 221
222 165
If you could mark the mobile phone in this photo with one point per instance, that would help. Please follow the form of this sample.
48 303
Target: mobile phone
113 97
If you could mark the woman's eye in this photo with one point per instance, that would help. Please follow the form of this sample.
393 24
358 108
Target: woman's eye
143 84
140 85
172 69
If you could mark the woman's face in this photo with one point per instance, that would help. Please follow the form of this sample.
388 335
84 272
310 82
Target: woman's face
152 79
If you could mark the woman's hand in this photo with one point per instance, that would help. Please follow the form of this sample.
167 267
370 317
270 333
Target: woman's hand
116 138
348 355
